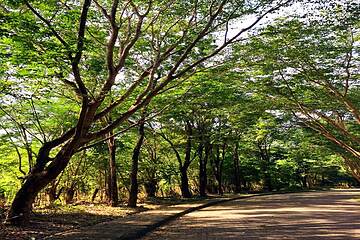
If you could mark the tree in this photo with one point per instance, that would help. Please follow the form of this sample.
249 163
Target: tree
151 44
184 162
309 65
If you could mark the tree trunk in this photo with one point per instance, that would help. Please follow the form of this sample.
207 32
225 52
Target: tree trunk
52 192
134 187
304 181
94 194
151 188
264 150
185 192
19 213
202 166
221 190
183 166
69 195
202 172
20 210
218 165
112 183
237 177
268 184
151 181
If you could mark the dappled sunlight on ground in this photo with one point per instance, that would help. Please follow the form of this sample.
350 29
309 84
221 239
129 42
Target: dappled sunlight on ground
313 215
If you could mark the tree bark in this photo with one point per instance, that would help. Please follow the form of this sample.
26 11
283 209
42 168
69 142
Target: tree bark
134 187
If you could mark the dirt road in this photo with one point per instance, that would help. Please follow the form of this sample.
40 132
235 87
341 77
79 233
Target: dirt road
314 215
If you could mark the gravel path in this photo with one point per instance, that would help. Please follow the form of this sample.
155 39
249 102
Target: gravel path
314 215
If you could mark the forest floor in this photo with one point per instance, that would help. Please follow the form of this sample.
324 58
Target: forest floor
47 221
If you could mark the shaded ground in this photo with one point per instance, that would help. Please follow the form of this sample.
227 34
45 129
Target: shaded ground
137 225
48 221
315 215
58 219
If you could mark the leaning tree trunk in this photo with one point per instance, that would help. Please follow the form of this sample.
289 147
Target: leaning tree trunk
94 194
19 213
352 165
112 182
39 177
134 187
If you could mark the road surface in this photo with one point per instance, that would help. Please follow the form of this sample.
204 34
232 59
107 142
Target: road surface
313 215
